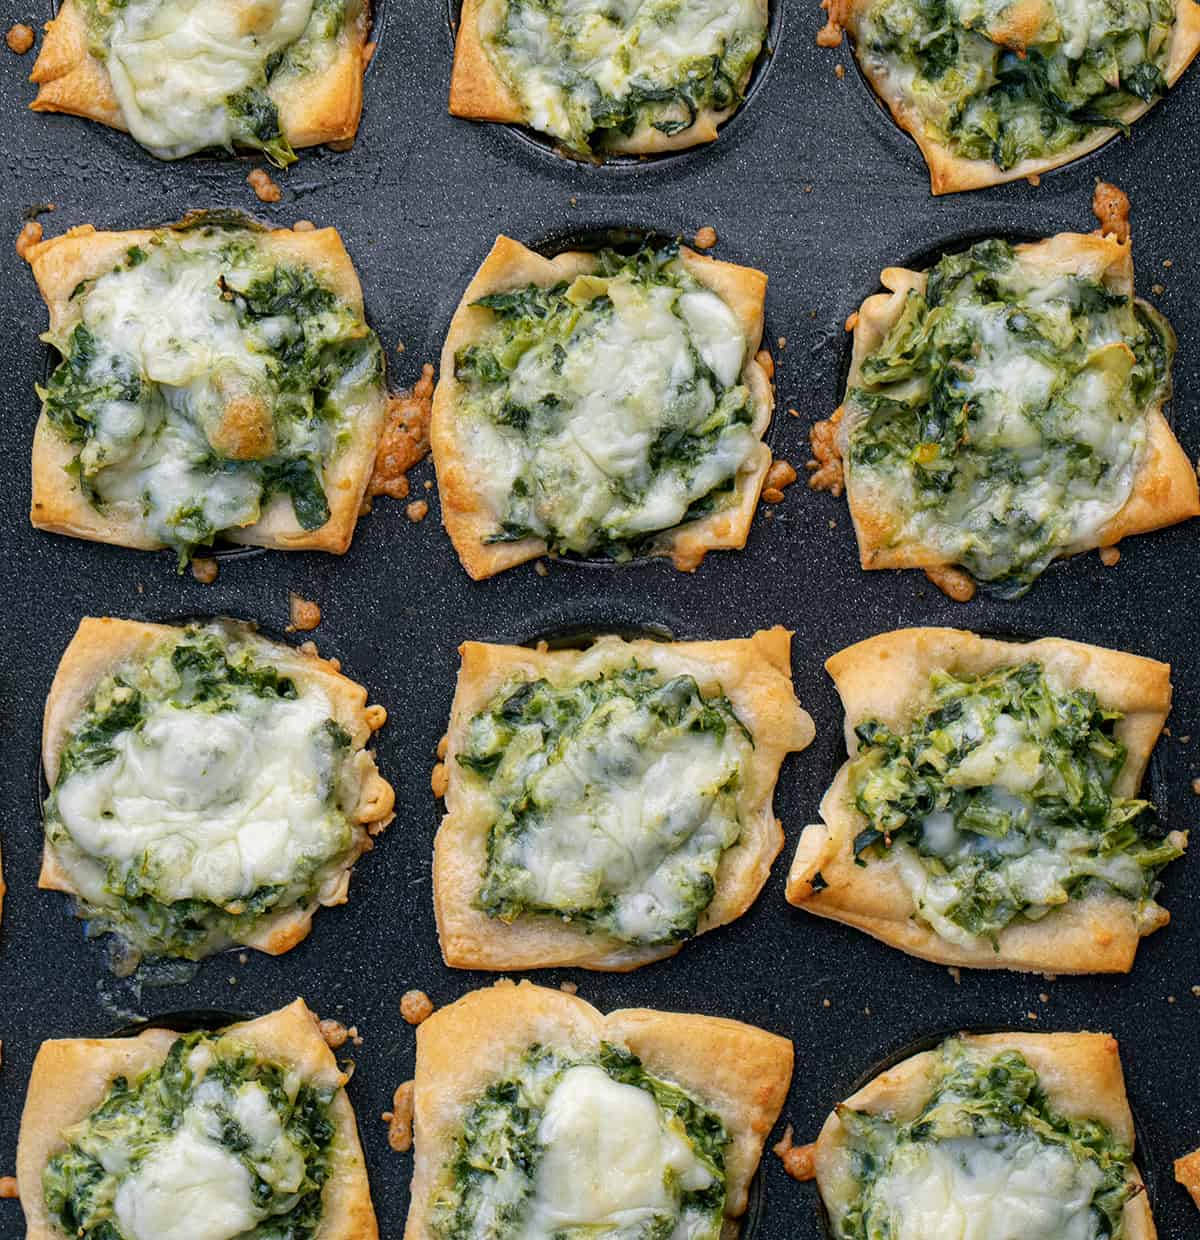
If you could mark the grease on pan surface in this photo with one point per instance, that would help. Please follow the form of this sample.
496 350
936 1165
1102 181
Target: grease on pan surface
208 787
602 404
988 814
605 805
184 77
992 93
657 1114
217 379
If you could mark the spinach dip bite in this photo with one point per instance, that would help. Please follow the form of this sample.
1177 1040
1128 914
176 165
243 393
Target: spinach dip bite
995 90
635 77
604 805
1004 1136
988 814
602 405
183 76
244 1133
1004 409
207 787
536 1117
218 380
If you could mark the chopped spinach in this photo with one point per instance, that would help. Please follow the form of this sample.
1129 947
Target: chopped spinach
1003 789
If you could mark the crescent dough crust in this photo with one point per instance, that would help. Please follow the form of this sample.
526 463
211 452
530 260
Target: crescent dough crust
58 503
465 513
950 173
740 1072
313 108
71 1076
1080 1073
100 644
1165 489
479 92
754 673
885 678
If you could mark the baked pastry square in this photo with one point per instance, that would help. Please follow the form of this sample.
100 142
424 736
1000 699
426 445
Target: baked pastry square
217 379
182 76
249 1125
1005 408
997 1134
601 79
1017 89
639 1115
604 805
989 813
207 787
603 405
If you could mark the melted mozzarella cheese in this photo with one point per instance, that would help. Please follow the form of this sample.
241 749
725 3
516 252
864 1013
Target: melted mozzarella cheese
175 63
210 806
609 1160
187 1188
973 1189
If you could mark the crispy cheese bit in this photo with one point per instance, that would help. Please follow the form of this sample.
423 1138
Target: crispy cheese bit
399 1119
304 226
825 469
415 1006
780 475
569 988
439 780
264 188
20 39
1111 207
837 13
798 1160
335 1033
852 321
1109 556
1187 1173
404 442
306 615
8 1188
418 510
952 582
205 569
705 238
29 236
443 746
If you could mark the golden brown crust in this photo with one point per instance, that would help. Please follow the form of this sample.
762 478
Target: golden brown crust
1187 1173
1080 1073
58 502
886 678
1165 489
738 1071
71 1076
99 645
479 91
754 673
950 173
313 109
466 514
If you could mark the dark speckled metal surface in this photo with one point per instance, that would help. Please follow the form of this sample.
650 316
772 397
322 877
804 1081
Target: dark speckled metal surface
814 185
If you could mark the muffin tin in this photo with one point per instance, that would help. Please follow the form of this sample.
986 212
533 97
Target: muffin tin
812 183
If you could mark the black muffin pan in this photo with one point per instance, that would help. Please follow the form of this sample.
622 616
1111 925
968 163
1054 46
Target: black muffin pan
814 184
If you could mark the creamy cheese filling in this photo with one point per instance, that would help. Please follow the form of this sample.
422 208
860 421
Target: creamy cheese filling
200 378
986 1157
621 818
998 803
1003 419
589 70
620 416
590 1146
210 1146
1006 82
184 813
